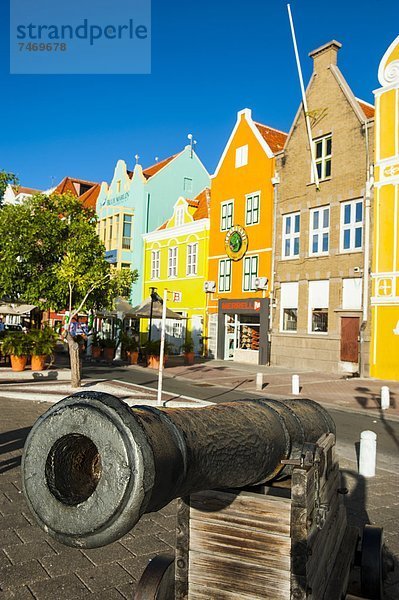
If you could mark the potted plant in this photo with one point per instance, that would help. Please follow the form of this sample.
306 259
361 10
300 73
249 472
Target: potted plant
95 346
17 346
108 345
188 350
42 344
153 351
131 348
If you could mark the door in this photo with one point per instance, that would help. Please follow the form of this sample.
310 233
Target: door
349 339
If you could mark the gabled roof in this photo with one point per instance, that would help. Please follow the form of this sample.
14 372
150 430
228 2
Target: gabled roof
274 137
89 198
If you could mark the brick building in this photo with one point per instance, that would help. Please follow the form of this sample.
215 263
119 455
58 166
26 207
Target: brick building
321 252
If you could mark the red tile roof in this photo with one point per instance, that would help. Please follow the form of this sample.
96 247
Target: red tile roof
367 108
89 198
274 137
153 169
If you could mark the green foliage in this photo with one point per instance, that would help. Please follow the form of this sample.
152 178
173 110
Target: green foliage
42 341
17 344
5 180
51 255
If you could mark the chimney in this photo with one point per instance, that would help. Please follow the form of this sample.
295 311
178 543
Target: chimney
325 56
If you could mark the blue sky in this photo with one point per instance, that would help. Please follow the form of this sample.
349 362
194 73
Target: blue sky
210 58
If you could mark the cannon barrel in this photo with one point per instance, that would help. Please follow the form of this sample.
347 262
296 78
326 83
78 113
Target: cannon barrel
92 466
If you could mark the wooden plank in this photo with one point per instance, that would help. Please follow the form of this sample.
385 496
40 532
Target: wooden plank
255 547
338 581
182 549
236 576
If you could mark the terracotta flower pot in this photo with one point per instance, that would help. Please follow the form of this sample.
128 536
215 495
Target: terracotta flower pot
189 358
38 363
108 354
132 357
95 351
18 363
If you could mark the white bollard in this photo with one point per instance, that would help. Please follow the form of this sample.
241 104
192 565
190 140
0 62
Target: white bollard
259 381
295 384
384 397
368 453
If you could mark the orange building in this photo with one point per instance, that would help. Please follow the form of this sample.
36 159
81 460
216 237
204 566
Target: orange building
240 246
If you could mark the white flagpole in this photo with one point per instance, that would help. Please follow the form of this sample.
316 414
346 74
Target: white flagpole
304 102
162 349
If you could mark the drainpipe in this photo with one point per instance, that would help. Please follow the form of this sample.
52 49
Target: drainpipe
275 181
366 256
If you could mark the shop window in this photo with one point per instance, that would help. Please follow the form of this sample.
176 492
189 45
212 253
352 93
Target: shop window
224 275
319 230
127 232
323 152
172 262
291 230
351 226
226 215
250 273
241 156
155 264
289 306
252 209
192 258
318 306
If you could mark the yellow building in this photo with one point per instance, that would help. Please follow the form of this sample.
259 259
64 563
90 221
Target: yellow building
176 258
385 267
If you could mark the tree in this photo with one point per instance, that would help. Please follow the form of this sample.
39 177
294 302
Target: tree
51 256
5 180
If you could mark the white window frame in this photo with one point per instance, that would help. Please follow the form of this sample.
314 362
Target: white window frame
288 301
179 216
155 264
172 261
291 236
226 215
241 156
318 303
320 231
323 159
250 208
249 272
192 258
224 274
352 226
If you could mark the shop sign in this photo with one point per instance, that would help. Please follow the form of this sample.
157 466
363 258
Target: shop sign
236 242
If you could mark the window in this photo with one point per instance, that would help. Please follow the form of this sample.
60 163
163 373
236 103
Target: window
250 273
352 293
179 216
172 262
289 306
192 256
322 152
319 230
291 224
155 264
252 210
226 221
188 184
351 225
242 156
224 275
318 306
127 232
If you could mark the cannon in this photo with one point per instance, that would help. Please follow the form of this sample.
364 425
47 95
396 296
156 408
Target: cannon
260 510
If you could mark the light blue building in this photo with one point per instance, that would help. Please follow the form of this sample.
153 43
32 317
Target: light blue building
140 201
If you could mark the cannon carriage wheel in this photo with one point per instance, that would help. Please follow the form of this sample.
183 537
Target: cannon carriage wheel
158 580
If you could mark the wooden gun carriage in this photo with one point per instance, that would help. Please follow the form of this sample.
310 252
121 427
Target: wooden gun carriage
260 510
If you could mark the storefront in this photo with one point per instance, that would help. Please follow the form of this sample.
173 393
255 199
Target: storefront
243 330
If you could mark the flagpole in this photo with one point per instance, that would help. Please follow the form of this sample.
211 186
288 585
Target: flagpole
304 101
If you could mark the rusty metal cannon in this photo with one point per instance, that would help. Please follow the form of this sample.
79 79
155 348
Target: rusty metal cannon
258 482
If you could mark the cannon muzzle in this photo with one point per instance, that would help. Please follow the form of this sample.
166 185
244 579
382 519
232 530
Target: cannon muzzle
92 466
